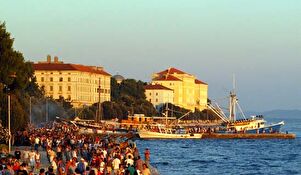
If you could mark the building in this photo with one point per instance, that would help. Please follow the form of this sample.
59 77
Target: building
118 78
158 95
188 91
77 83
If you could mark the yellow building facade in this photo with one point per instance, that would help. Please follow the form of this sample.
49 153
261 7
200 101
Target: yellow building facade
188 91
78 84
158 95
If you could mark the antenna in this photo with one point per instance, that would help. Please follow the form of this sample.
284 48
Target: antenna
234 83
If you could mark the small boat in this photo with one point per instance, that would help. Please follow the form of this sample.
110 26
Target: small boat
92 127
159 131
254 124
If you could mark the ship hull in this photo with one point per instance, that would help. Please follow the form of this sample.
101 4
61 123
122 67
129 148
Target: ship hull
83 130
156 135
275 128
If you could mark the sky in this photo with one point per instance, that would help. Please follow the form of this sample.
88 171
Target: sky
257 41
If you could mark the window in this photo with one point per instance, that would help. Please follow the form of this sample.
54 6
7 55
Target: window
150 100
150 93
51 88
51 79
69 88
61 79
157 94
156 100
60 88
69 79
69 97
42 79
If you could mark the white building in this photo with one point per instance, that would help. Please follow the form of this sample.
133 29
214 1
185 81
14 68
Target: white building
158 95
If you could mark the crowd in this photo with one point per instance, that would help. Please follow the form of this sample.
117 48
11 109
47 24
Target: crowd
69 153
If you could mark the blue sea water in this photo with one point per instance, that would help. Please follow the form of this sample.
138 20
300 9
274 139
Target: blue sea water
243 156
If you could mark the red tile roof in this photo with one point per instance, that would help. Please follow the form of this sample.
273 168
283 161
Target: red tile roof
156 87
171 70
166 78
61 67
196 81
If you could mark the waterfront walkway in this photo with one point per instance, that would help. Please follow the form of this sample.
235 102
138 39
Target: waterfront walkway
58 149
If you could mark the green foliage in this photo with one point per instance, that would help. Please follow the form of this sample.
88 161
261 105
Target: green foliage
126 98
17 79
14 78
129 98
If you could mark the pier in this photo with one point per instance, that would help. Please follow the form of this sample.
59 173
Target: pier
248 136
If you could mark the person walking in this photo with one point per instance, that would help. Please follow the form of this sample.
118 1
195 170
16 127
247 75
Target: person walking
147 156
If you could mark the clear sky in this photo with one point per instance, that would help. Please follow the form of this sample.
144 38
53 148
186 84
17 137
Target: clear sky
257 40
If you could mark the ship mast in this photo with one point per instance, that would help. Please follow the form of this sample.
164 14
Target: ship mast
166 113
232 102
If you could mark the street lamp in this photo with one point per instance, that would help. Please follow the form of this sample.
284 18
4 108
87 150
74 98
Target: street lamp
13 75
29 109
30 119
9 133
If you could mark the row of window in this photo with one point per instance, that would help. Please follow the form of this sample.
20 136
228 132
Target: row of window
60 88
151 93
61 79
107 91
150 100
86 98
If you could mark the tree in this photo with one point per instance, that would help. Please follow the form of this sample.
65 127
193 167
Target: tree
126 98
15 74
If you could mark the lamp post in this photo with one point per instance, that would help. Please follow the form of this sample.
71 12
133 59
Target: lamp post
12 75
30 119
30 110
9 133
99 111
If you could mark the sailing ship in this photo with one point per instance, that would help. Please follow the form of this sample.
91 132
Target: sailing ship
254 124
165 131
160 131
92 127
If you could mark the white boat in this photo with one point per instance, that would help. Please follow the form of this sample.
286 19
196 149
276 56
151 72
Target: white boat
161 132
254 124
92 127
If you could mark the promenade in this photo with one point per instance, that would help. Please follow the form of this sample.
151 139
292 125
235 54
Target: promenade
58 149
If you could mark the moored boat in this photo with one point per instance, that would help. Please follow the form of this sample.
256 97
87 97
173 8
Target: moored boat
162 132
252 125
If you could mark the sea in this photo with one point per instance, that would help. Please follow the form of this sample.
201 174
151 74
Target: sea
228 156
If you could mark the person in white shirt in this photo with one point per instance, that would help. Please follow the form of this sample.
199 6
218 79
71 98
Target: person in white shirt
129 161
115 164
25 155
38 159
32 159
